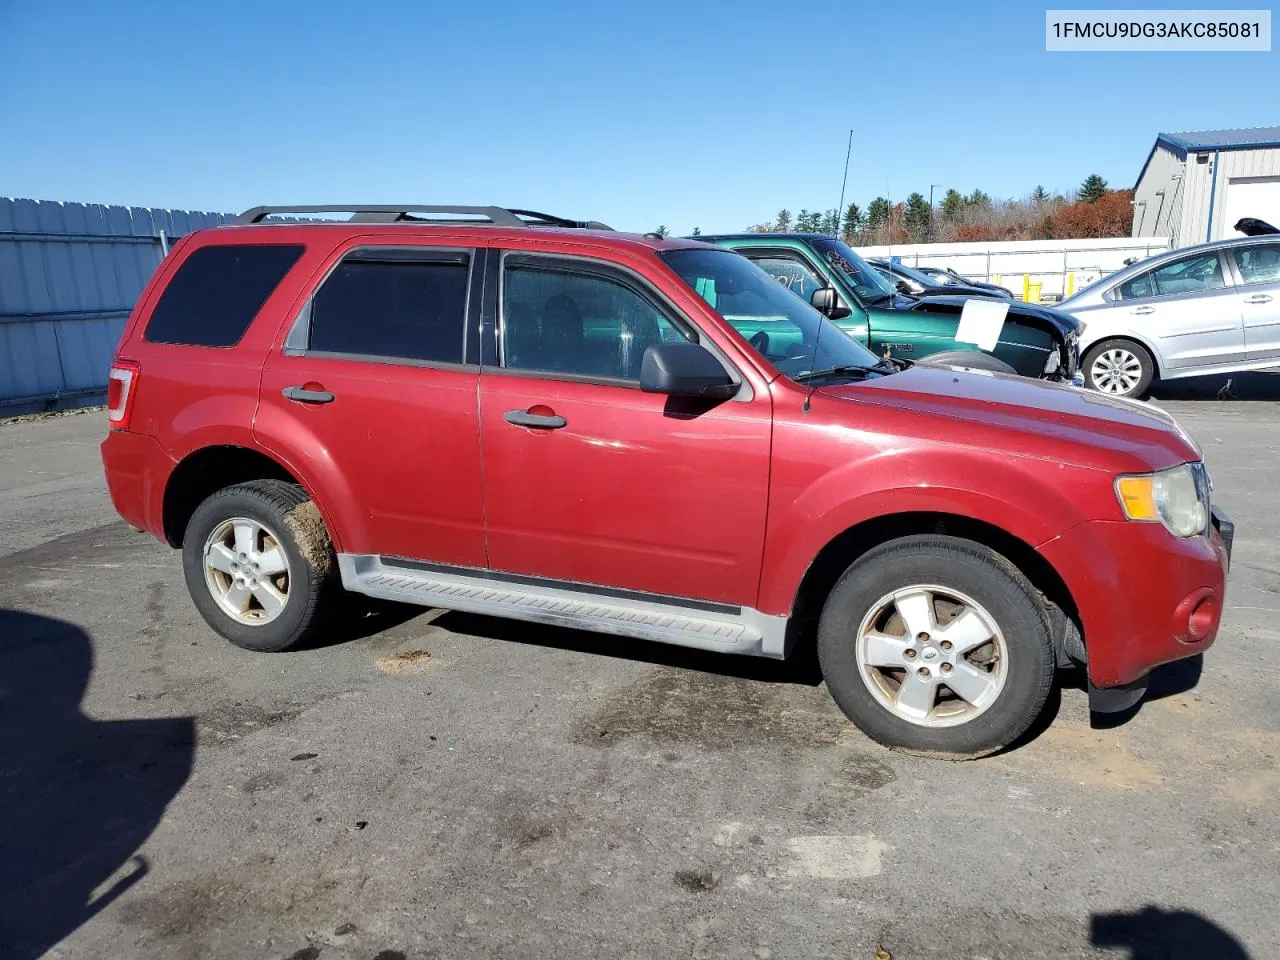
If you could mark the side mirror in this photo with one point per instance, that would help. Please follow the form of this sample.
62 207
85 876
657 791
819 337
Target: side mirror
904 287
684 370
827 302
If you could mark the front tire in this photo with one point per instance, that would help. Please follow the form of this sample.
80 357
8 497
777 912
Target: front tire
937 645
1120 368
259 565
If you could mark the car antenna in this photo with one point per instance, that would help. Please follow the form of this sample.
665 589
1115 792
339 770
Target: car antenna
813 361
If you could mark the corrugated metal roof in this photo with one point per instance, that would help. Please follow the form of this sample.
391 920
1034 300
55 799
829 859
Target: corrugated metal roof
1240 139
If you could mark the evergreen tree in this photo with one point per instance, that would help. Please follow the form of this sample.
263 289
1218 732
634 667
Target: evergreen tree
952 204
978 199
697 232
784 220
877 212
661 230
917 217
1039 195
1093 189
853 221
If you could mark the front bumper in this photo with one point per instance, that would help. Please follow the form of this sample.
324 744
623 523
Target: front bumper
1144 597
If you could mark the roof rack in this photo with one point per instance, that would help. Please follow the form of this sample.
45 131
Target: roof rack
404 213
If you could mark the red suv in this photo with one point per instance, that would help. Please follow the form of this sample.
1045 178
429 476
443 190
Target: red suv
512 414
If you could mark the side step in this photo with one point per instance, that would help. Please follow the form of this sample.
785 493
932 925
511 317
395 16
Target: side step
705 626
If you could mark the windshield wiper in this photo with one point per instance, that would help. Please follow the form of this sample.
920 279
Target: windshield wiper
842 369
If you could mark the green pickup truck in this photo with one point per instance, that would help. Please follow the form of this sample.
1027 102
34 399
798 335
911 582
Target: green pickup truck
1033 341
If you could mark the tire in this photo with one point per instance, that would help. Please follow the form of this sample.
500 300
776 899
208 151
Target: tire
1118 363
285 530
975 359
1008 676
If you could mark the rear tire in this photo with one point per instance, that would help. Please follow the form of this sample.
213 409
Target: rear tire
915 614
1120 368
259 565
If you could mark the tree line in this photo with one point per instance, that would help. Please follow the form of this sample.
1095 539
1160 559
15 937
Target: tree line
1095 210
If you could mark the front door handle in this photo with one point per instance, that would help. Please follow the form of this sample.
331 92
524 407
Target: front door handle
540 421
1143 310
1258 298
305 395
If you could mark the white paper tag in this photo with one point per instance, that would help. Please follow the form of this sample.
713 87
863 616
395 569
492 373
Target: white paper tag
981 322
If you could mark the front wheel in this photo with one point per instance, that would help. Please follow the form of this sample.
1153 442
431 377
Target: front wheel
1118 367
937 645
259 565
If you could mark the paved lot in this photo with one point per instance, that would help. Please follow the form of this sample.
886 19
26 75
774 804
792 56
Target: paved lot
529 792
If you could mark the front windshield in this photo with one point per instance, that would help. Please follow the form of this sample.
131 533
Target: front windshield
867 284
779 325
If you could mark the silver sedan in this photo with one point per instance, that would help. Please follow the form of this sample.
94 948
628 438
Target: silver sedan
1208 309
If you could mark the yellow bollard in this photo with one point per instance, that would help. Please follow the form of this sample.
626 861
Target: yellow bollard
1033 291
1071 284
1026 288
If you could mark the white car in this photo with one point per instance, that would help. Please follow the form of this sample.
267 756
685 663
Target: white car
1207 309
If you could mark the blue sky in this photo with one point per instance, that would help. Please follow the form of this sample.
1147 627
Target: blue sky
700 113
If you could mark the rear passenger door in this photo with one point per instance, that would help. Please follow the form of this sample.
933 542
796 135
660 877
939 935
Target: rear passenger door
373 391
592 481
1258 269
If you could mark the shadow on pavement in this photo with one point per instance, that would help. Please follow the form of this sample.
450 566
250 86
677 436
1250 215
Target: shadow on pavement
800 668
78 796
1156 934
1227 387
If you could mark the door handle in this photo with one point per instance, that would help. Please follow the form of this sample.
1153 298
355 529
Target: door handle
540 421
304 395
1143 310
1258 298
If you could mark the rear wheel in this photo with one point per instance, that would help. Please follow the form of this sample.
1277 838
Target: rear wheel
1119 367
259 565
937 645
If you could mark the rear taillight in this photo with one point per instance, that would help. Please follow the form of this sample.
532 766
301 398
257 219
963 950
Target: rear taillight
122 384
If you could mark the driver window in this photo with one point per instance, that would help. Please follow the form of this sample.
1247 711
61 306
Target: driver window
792 274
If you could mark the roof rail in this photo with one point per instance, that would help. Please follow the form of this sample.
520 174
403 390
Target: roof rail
404 213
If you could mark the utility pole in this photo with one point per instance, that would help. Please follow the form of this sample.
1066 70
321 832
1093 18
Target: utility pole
931 186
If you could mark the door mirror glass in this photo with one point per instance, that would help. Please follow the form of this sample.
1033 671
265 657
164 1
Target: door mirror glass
684 370
904 287
827 302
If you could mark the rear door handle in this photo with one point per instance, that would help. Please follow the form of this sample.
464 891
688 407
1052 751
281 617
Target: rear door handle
303 395
540 421
1258 298
1143 310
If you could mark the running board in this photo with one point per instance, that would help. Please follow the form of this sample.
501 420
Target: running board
704 626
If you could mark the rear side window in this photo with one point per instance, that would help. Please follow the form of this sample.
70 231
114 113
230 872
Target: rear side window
395 310
216 293
1196 274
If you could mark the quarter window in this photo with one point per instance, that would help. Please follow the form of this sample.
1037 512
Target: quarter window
392 309
1259 264
580 324
1191 275
217 291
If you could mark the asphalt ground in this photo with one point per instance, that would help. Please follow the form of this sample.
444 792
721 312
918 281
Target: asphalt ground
441 785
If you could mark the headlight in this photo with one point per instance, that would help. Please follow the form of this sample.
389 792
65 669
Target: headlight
1178 498
1053 361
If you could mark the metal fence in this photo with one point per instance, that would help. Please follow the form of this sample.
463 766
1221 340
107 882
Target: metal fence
69 275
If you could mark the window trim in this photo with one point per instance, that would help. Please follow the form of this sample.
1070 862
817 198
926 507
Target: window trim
603 270
1228 281
253 319
1239 271
299 335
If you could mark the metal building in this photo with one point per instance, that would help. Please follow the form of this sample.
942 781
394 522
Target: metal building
1195 187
